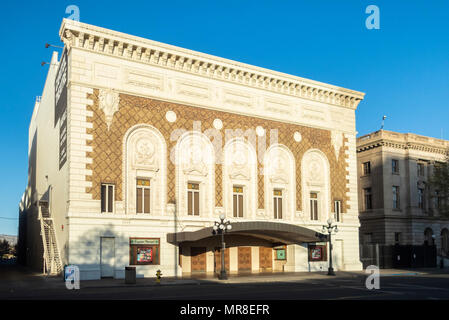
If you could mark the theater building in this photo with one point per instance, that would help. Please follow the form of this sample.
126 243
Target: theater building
137 147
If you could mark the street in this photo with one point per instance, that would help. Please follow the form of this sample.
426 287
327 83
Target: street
19 283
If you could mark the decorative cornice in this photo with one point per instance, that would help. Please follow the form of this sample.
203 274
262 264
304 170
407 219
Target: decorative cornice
401 145
104 41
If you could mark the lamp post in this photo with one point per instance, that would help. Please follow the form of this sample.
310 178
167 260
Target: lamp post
221 227
329 228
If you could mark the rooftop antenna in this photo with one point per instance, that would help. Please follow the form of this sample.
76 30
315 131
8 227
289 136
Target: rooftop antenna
47 45
383 122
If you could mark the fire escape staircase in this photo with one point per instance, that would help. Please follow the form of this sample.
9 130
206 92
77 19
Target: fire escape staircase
52 263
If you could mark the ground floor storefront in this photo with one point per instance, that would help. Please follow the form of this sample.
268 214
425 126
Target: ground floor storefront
105 250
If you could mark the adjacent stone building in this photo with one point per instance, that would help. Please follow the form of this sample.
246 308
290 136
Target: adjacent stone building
396 202
137 147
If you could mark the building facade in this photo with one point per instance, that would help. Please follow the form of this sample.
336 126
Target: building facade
137 147
396 202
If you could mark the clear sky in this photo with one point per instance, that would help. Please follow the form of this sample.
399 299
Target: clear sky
403 67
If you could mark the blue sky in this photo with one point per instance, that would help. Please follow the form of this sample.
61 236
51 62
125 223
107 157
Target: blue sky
403 68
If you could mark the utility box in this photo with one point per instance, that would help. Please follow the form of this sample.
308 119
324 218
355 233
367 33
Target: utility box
130 275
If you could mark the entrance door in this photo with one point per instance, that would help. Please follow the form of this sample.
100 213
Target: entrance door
217 259
198 259
107 257
244 260
265 259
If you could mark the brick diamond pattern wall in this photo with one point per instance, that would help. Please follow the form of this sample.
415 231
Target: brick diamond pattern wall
107 144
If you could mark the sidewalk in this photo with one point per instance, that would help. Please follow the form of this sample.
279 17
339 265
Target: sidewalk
254 278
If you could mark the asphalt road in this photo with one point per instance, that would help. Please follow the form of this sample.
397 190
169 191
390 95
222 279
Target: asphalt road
17 284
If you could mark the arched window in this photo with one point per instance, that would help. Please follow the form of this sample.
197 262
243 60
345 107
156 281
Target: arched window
195 178
445 242
240 179
145 154
428 237
280 182
315 185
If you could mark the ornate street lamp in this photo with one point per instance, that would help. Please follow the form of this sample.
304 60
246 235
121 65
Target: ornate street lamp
220 228
329 228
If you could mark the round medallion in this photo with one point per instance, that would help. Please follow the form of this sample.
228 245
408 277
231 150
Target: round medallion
260 131
170 116
218 124
297 136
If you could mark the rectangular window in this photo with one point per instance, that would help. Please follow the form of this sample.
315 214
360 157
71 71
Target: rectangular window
397 238
368 238
144 251
337 210
367 198
107 197
313 206
237 199
396 204
277 202
395 166
437 200
193 199
366 168
420 198
143 196
420 169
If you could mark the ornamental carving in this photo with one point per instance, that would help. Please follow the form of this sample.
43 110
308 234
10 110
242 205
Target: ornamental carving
239 164
337 142
194 161
144 154
109 103
277 170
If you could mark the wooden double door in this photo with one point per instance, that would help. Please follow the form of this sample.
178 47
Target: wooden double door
217 259
244 259
198 259
265 259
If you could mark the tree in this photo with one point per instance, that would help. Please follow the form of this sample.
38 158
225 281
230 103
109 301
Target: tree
4 247
439 182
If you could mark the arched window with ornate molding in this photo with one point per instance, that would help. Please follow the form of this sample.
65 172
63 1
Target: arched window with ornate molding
145 168
195 175
280 182
240 179
315 185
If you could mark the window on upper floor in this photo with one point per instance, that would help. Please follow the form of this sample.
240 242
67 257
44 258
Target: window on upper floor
277 204
143 196
366 168
107 197
367 196
421 198
314 206
396 203
237 199
395 166
337 210
421 169
193 199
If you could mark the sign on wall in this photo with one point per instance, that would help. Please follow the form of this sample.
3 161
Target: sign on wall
61 107
317 252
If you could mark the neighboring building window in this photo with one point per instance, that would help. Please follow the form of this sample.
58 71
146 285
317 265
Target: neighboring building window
193 199
395 166
368 238
445 242
437 200
421 198
397 238
368 198
277 203
421 169
396 204
337 210
428 237
144 251
366 168
238 201
313 206
143 196
107 197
